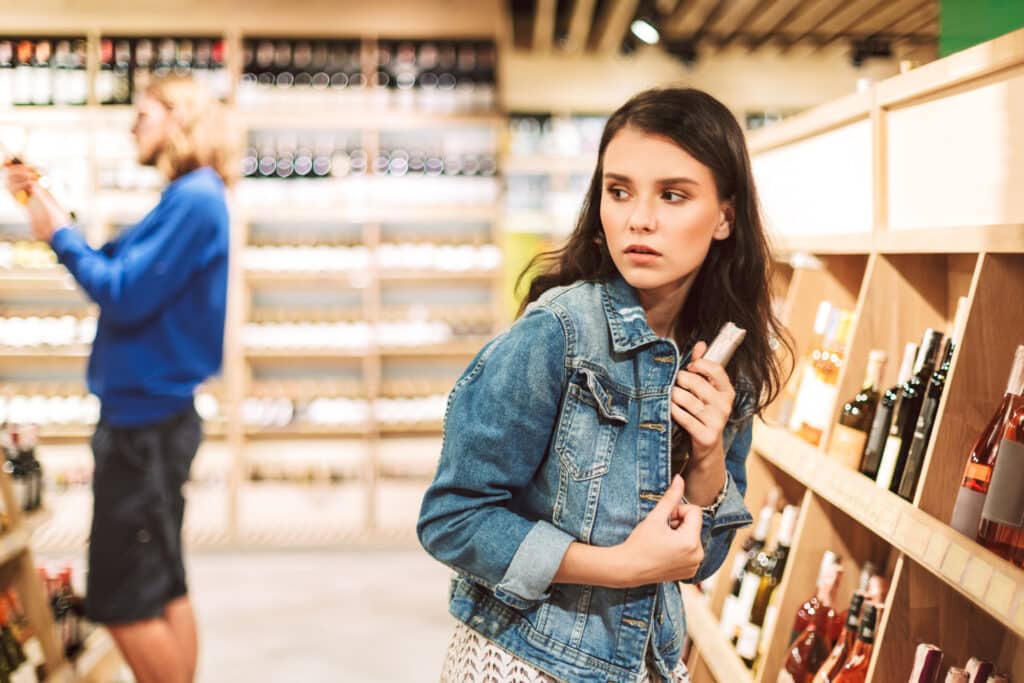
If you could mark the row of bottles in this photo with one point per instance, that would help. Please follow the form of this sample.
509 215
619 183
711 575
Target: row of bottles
44 406
429 75
547 135
829 646
43 71
283 156
885 435
360 335
127 65
46 331
26 254
279 412
928 669
19 446
68 609
21 656
990 502
357 259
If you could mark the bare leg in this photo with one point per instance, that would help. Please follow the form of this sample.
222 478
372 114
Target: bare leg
182 620
151 650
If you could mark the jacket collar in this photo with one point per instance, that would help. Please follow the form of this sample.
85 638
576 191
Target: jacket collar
627 319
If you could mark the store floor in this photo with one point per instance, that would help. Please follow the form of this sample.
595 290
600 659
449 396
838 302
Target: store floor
374 616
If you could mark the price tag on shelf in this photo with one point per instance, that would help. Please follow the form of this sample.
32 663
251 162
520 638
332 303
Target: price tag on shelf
955 563
977 576
1000 593
937 546
912 535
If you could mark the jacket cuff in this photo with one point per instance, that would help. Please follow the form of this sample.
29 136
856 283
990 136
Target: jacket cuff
532 570
732 512
63 239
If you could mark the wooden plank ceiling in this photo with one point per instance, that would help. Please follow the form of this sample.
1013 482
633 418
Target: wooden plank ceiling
702 27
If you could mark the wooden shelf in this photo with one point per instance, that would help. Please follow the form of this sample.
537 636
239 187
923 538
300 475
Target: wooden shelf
63 353
985 579
428 428
966 239
548 165
453 349
294 354
360 279
716 652
12 543
36 280
441 213
362 117
307 430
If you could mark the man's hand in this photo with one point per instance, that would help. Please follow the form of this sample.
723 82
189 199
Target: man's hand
45 214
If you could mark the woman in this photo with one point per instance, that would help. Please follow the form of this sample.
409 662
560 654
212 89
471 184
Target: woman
161 288
555 499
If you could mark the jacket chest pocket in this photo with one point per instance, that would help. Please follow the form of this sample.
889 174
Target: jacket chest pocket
593 414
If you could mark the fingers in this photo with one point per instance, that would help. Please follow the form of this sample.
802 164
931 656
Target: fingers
698 431
671 499
694 394
699 349
690 526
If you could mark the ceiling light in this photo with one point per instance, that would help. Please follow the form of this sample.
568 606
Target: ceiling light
645 31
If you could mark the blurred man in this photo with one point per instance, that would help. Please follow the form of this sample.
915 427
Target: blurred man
161 289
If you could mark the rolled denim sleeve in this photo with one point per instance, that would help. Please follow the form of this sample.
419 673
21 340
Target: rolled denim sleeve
719 529
500 418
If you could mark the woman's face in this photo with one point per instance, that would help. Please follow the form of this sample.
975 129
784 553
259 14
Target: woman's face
151 128
660 211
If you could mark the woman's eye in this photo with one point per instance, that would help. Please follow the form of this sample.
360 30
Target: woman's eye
617 192
672 196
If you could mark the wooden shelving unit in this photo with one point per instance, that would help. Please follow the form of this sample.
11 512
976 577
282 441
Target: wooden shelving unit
372 222
901 268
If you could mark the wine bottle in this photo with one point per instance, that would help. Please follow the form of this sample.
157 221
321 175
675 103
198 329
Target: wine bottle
6 74
879 433
927 664
143 71
929 409
23 72
775 568
122 79
905 413
856 668
302 64
731 610
1002 517
822 600
746 644
825 386
183 59
78 79
166 56
105 77
809 650
845 645
851 434
792 411
970 498
284 77
42 76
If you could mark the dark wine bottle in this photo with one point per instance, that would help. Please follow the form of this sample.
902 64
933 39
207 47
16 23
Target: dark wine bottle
883 416
905 413
929 409
851 434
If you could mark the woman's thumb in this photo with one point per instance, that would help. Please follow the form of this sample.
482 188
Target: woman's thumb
672 497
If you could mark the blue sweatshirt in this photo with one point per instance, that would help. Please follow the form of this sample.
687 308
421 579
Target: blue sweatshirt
161 287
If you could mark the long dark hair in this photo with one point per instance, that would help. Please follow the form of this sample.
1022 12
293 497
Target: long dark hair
734 282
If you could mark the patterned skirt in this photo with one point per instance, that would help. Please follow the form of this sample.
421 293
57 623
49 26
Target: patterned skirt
472 658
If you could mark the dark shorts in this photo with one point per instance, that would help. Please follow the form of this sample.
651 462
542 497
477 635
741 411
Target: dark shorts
135 557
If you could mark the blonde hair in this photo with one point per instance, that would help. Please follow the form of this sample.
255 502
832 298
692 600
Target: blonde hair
203 134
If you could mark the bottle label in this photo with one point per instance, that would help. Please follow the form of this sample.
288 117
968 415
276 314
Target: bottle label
746 645
848 445
1005 501
981 473
888 465
771 615
728 623
967 511
748 593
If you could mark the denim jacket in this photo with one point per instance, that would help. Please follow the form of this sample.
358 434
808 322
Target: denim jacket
559 431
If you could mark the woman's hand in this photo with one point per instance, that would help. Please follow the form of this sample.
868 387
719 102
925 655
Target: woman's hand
45 214
702 400
655 551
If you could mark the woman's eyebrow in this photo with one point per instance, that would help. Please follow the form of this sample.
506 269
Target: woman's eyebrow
681 180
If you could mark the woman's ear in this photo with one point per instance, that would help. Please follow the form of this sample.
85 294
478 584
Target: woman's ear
726 219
